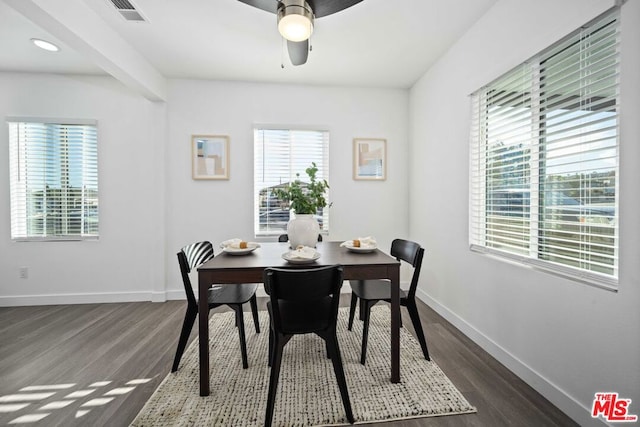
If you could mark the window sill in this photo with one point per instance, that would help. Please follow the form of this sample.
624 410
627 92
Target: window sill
587 278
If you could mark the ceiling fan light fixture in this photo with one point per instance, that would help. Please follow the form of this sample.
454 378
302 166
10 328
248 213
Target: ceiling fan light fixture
295 20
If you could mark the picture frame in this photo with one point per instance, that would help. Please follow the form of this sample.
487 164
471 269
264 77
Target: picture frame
210 156
370 159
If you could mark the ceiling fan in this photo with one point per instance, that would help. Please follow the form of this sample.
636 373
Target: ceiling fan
295 20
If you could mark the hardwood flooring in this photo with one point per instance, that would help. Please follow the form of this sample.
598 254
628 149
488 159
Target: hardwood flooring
107 359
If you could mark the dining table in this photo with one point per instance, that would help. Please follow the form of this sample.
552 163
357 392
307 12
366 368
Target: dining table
228 269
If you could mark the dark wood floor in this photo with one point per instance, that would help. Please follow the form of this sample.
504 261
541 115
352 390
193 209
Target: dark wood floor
82 347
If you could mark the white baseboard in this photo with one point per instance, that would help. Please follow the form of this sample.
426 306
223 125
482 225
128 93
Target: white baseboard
567 404
107 297
88 298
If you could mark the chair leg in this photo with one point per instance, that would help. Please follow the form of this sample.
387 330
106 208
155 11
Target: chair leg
417 326
365 330
352 309
243 341
271 339
189 319
278 347
336 360
253 302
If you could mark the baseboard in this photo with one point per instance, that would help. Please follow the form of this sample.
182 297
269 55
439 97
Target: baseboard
88 298
567 404
107 297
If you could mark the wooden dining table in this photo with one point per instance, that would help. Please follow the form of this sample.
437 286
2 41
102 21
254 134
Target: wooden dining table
233 269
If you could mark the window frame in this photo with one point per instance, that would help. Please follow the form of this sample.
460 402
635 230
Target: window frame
322 162
66 155
479 196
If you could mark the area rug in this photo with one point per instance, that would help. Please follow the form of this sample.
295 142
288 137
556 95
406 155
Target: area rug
308 394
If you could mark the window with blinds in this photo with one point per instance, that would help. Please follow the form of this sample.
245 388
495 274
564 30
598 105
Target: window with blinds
53 180
544 158
279 155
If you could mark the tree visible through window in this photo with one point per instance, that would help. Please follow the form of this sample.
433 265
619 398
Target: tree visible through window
544 159
54 180
280 154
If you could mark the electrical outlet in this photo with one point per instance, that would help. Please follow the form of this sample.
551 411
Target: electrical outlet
24 273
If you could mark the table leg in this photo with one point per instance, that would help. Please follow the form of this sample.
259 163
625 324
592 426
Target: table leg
203 333
395 324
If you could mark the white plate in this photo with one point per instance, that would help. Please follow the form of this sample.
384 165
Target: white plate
287 256
360 250
233 251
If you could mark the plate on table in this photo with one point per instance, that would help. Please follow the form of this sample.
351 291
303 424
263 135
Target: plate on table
360 249
237 251
292 258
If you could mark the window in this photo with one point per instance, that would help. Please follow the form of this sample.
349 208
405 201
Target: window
54 180
280 154
544 158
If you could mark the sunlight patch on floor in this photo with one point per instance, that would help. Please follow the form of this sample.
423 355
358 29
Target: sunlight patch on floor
78 394
50 397
56 405
29 418
12 407
118 391
47 387
98 402
25 397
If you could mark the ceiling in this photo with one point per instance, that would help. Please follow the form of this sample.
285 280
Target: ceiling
376 43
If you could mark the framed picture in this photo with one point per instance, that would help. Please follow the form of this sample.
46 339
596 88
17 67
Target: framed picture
370 159
210 156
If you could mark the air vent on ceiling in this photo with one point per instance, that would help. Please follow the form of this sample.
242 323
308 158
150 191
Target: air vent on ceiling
128 10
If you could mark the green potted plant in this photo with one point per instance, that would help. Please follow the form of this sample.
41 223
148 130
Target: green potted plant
304 200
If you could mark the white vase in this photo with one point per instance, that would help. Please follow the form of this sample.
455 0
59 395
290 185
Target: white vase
303 230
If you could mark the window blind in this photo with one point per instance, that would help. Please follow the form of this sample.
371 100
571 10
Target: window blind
53 180
544 158
280 154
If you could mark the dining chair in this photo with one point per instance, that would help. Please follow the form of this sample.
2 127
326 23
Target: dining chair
303 301
370 292
234 296
285 238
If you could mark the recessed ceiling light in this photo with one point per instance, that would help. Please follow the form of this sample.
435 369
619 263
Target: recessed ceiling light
43 44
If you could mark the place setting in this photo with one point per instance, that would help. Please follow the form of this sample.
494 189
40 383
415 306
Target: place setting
301 255
361 245
238 246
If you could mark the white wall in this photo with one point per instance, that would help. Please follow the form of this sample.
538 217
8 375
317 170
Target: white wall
149 205
127 262
219 210
568 340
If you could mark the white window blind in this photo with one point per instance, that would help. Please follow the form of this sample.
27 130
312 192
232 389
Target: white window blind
53 180
544 158
280 154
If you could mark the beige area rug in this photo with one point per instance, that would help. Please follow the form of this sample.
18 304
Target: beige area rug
308 394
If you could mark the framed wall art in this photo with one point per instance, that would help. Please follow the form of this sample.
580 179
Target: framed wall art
210 156
370 159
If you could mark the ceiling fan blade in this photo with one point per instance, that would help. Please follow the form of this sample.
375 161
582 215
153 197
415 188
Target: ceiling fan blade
298 51
327 7
268 5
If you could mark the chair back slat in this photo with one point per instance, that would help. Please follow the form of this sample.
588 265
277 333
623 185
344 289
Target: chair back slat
412 253
285 238
190 257
303 286
197 253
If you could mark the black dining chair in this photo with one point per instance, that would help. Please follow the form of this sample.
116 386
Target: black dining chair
370 292
234 296
285 238
303 301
